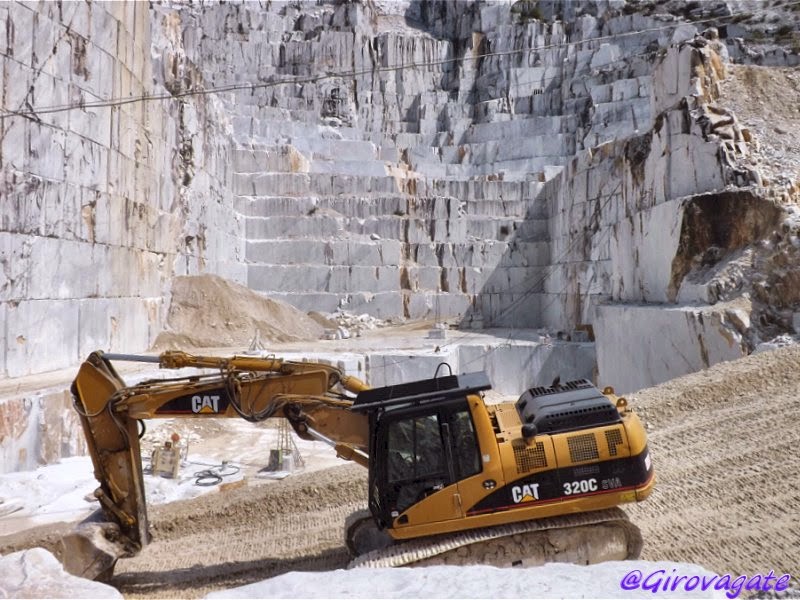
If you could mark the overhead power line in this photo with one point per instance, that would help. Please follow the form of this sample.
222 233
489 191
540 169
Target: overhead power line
114 102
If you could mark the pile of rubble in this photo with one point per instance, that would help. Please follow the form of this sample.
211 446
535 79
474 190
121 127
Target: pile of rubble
765 101
780 341
348 325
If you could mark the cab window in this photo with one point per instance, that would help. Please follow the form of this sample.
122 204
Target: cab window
466 454
416 461
415 448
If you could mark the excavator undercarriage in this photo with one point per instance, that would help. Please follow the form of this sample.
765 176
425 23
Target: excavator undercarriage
582 538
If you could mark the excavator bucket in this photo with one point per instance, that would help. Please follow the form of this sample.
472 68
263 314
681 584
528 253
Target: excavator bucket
92 549
119 528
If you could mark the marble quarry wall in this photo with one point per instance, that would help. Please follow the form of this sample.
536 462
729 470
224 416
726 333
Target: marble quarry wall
534 164
531 165
620 229
38 427
487 183
420 193
101 206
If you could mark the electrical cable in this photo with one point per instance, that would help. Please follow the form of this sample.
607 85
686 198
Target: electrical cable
215 474
115 102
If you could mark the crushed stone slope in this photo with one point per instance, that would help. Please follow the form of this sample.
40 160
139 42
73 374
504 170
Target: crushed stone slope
246 535
764 100
724 443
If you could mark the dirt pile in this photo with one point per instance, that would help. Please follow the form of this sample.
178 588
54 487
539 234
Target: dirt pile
207 311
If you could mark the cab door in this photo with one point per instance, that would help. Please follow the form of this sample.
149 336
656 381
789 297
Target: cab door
419 483
476 459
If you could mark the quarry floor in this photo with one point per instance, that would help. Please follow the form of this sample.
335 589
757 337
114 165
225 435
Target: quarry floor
723 443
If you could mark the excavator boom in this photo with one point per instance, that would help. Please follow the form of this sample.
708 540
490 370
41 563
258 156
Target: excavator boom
312 396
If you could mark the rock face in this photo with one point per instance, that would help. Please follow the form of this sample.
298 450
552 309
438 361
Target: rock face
38 427
36 573
101 206
523 173
509 163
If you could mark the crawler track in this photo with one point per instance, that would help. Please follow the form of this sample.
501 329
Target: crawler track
585 538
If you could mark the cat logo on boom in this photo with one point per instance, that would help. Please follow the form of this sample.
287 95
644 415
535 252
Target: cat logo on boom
205 404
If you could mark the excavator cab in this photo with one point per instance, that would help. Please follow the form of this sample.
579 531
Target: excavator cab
423 442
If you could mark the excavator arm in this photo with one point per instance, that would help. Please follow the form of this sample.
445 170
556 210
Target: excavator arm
312 396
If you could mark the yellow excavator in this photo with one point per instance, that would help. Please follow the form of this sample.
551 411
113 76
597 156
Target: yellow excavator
451 479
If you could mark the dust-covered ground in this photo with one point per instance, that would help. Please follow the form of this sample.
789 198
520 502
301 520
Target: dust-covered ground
723 442
246 535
